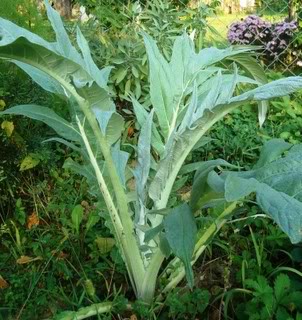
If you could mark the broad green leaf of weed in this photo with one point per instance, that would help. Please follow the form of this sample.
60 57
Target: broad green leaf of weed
89 287
104 244
77 217
92 220
266 313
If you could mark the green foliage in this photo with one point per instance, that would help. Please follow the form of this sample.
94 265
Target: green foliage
275 180
279 302
123 46
273 7
188 304
25 13
189 93
58 279
238 136
25 142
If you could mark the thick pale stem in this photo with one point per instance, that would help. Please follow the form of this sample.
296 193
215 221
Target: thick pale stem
90 311
165 194
147 289
117 224
162 203
133 258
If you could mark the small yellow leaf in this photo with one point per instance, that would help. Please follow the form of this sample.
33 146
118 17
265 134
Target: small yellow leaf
27 259
32 220
29 162
8 127
3 283
105 244
2 104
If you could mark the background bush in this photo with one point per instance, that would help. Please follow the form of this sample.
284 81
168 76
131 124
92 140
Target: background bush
279 40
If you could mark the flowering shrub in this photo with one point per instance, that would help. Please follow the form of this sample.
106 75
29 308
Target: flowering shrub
282 34
251 30
275 38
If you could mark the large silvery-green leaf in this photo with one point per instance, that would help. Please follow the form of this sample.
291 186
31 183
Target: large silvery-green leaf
97 97
46 60
171 82
42 78
285 210
111 124
182 143
208 88
277 182
10 32
252 67
182 54
57 73
177 150
272 150
56 66
210 56
114 128
181 233
49 117
141 172
282 173
271 90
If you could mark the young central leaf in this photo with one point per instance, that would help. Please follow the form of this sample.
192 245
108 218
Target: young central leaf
181 233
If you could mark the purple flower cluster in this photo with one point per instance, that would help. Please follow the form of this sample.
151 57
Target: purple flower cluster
282 35
275 38
251 30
